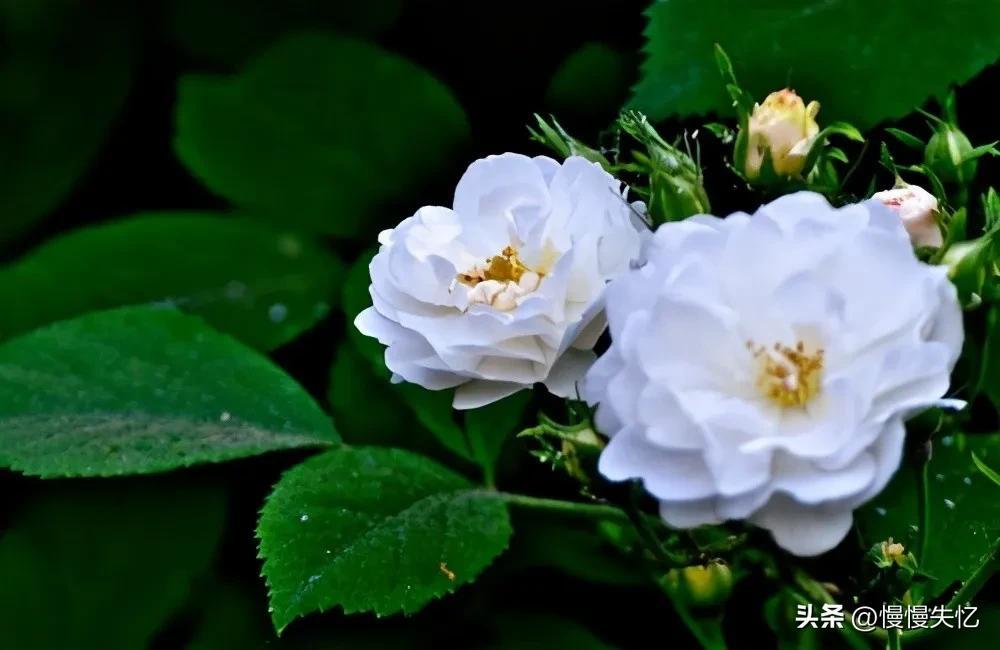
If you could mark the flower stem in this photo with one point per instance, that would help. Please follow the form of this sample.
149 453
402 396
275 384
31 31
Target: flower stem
923 511
573 508
893 641
976 581
708 632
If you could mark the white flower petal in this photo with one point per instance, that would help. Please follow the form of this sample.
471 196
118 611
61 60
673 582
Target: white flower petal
508 286
804 529
568 372
689 514
761 366
475 394
677 474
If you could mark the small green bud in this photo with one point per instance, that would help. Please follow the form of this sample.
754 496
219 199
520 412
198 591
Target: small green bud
701 586
673 197
556 138
968 264
948 155
676 189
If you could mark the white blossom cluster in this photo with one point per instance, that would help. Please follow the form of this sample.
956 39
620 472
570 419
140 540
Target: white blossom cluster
761 366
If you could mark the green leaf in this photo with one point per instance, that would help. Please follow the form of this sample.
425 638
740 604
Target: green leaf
908 139
386 420
984 635
230 31
355 299
779 613
489 427
104 565
864 65
309 133
64 74
591 81
433 410
263 285
583 551
229 621
374 530
140 390
989 371
964 511
987 471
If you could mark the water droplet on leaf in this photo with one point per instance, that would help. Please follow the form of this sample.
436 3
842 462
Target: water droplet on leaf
277 312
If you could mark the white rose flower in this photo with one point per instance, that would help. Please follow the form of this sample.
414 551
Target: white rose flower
917 209
506 288
762 366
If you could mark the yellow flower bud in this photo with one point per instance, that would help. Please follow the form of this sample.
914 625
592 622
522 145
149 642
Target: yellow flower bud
783 127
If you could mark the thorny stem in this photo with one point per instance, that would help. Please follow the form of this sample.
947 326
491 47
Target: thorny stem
648 535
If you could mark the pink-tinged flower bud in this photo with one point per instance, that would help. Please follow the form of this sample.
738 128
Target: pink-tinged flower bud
918 209
784 128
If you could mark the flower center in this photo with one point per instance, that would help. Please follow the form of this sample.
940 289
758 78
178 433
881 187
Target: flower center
505 267
788 376
500 281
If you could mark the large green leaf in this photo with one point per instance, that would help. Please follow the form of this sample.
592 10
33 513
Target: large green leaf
102 566
374 529
489 427
64 74
583 551
229 31
864 63
964 510
138 390
983 635
318 131
262 285
591 82
386 419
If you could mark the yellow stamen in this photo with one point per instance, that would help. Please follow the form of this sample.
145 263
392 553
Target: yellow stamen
505 267
788 376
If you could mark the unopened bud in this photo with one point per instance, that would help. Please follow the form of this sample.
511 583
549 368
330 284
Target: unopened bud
946 154
700 586
918 210
782 129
